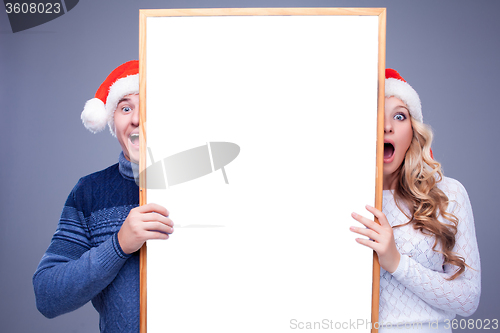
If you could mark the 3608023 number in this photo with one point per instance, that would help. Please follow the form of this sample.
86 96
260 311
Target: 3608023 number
479 324
33 8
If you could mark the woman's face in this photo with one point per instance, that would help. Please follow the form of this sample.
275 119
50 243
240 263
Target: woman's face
398 134
126 118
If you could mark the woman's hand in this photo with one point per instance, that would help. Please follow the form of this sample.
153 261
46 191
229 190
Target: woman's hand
381 238
145 222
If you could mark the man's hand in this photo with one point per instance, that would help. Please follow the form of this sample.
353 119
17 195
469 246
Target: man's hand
145 222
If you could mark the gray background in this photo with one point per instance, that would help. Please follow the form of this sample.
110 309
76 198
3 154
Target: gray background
446 49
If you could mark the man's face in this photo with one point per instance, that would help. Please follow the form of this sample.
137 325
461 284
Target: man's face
127 126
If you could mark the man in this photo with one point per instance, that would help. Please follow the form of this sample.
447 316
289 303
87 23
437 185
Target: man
93 253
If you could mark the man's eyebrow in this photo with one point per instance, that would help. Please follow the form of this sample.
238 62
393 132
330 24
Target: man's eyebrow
124 99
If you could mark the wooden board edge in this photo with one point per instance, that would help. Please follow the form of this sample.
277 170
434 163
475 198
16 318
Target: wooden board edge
379 163
144 13
262 11
143 289
142 167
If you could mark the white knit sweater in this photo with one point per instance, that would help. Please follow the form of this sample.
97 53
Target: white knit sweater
418 292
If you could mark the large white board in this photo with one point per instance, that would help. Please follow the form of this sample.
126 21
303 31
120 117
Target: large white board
288 106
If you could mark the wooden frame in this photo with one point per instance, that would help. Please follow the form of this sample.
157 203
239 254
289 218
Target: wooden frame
144 14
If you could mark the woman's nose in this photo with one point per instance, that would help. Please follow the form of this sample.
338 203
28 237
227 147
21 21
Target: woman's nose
388 126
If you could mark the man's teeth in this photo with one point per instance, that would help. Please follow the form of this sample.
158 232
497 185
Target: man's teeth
134 138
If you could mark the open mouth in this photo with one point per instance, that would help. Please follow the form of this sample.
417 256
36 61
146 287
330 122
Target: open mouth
388 150
134 138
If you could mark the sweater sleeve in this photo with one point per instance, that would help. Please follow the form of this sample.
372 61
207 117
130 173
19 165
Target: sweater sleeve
460 295
72 272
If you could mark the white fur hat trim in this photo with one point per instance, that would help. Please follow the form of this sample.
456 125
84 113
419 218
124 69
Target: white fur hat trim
122 87
403 91
96 115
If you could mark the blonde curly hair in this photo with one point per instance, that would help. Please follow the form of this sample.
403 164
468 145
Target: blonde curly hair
416 188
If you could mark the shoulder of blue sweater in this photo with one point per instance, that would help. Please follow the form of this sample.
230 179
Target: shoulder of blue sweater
102 174
101 177
103 190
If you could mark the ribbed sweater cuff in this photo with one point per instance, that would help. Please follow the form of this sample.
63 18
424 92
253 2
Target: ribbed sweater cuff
111 255
404 263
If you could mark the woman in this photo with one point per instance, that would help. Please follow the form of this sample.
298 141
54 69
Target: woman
426 242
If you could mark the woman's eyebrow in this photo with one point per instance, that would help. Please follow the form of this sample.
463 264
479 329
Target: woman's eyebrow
402 107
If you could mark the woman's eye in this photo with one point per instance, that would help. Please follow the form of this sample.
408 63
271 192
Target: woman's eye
400 116
126 109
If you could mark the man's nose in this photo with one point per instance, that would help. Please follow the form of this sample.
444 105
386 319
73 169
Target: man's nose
135 117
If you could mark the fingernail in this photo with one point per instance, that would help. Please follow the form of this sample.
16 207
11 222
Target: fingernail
354 214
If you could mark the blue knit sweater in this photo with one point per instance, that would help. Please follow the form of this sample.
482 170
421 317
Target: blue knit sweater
84 260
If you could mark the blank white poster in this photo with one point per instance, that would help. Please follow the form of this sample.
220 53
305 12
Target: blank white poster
261 136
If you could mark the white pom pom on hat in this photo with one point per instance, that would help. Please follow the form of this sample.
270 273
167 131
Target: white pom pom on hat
99 111
93 116
396 86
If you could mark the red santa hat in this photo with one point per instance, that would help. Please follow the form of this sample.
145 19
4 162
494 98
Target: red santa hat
99 111
396 86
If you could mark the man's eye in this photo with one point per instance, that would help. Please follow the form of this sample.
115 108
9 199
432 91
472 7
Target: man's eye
400 116
126 109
